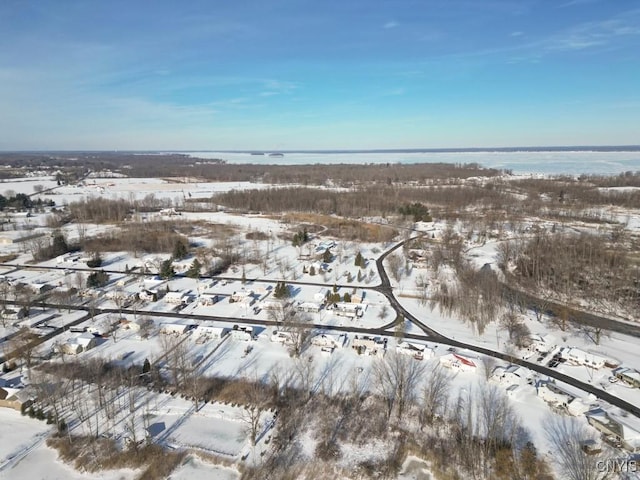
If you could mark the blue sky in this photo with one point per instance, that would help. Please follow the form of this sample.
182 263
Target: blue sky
305 74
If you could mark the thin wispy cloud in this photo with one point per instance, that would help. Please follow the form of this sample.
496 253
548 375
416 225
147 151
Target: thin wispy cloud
81 71
573 3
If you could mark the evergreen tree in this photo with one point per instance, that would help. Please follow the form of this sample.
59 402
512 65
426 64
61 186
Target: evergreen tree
194 269
97 279
146 367
94 261
59 246
312 270
281 290
359 262
179 250
327 256
166 269
347 297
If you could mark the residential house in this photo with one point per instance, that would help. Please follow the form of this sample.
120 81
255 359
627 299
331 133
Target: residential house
348 309
620 427
173 328
458 362
373 346
176 298
309 307
70 348
417 351
577 356
208 332
286 338
542 343
16 398
553 394
328 341
628 375
511 375
244 334
208 299
86 340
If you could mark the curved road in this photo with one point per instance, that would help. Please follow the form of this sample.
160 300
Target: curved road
432 335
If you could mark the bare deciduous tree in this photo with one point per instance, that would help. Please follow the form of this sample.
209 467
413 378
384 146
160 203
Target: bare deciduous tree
396 378
435 393
567 436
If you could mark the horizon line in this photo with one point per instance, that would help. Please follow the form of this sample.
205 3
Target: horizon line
548 148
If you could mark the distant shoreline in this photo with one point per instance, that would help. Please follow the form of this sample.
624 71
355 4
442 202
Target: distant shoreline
256 151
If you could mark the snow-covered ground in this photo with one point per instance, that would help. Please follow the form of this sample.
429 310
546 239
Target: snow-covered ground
194 468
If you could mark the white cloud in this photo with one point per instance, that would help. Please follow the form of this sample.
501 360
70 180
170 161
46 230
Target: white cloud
391 24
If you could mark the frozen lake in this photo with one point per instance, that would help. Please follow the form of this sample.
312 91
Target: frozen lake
554 162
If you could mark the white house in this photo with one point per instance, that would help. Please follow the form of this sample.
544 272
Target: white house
208 299
511 375
148 295
285 338
373 346
242 296
462 363
327 341
173 328
176 298
348 309
309 307
577 407
244 334
553 394
208 332
542 343
576 356
86 340
416 350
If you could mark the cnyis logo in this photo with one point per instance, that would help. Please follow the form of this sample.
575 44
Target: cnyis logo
623 465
